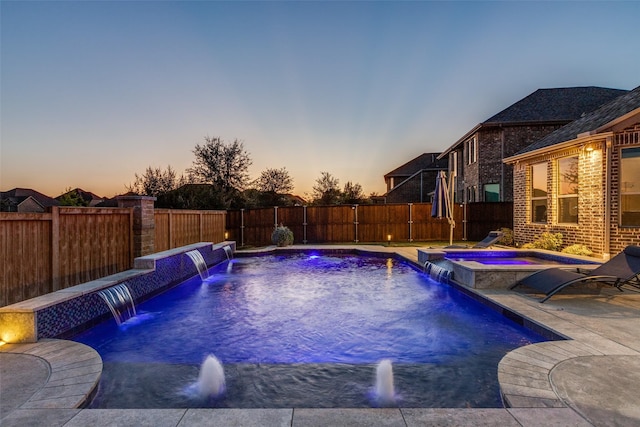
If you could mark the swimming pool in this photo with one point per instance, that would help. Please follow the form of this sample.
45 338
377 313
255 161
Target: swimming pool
307 331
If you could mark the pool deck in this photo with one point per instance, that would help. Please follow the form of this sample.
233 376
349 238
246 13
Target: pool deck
590 379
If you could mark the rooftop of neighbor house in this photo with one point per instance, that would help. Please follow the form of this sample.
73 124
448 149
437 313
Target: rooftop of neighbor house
422 162
547 106
590 122
18 195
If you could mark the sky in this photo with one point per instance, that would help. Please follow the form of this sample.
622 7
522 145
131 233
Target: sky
93 92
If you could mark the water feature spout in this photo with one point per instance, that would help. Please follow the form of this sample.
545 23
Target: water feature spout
120 302
211 381
436 272
199 262
228 251
385 391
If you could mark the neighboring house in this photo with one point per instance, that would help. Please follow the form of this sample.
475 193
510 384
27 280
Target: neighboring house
89 198
476 159
25 200
414 181
583 180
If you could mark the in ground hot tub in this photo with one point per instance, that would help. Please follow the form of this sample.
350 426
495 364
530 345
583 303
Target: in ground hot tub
498 268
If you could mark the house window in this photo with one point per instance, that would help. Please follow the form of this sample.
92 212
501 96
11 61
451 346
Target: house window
471 194
630 187
539 192
568 190
492 192
472 150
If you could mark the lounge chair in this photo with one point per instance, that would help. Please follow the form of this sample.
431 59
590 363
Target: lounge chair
491 238
622 269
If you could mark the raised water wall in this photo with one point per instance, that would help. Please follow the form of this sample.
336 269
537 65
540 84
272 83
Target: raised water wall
61 314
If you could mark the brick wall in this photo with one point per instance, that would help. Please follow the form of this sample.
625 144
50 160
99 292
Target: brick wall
621 236
589 230
494 144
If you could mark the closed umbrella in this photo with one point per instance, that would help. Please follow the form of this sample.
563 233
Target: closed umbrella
442 207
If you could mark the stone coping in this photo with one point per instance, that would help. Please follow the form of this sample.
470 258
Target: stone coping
524 374
74 373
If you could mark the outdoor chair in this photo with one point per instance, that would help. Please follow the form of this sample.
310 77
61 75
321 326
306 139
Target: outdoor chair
622 269
488 241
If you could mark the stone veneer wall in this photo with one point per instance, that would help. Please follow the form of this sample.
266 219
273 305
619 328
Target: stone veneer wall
81 306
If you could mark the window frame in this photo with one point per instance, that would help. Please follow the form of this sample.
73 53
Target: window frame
562 197
472 150
484 190
533 199
622 193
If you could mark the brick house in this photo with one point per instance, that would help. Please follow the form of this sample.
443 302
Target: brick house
25 200
583 180
476 159
414 181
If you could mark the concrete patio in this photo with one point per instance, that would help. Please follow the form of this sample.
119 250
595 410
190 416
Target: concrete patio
589 379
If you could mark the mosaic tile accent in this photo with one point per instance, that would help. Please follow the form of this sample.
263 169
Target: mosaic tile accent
64 319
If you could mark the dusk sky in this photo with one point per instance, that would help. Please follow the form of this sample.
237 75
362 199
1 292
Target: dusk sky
94 92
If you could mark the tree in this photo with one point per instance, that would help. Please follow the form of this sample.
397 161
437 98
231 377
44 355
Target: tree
352 194
274 181
326 190
71 198
155 182
224 165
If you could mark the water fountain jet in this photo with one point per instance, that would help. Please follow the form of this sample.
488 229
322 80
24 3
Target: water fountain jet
385 391
211 380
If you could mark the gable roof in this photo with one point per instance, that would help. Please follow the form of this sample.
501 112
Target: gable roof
423 161
590 122
18 195
548 106
556 105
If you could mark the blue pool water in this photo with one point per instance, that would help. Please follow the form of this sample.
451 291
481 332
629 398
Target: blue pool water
307 331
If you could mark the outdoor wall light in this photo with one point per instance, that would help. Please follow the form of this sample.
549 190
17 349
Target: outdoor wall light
226 235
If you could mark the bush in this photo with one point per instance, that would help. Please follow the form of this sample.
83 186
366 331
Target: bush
548 241
577 250
507 238
282 236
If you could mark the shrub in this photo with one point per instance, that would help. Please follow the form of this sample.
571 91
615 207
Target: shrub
507 238
577 250
282 236
548 241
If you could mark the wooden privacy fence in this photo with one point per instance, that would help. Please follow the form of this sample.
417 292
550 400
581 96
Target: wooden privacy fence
366 223
175 227
46 252
484 217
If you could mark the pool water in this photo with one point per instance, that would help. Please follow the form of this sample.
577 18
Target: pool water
307 331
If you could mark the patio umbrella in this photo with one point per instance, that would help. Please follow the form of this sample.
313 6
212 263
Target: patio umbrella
442 207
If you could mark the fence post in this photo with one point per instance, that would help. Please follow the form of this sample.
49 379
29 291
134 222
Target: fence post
275 215
241 227
355 222
410 222
55 248
143 223
304 224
